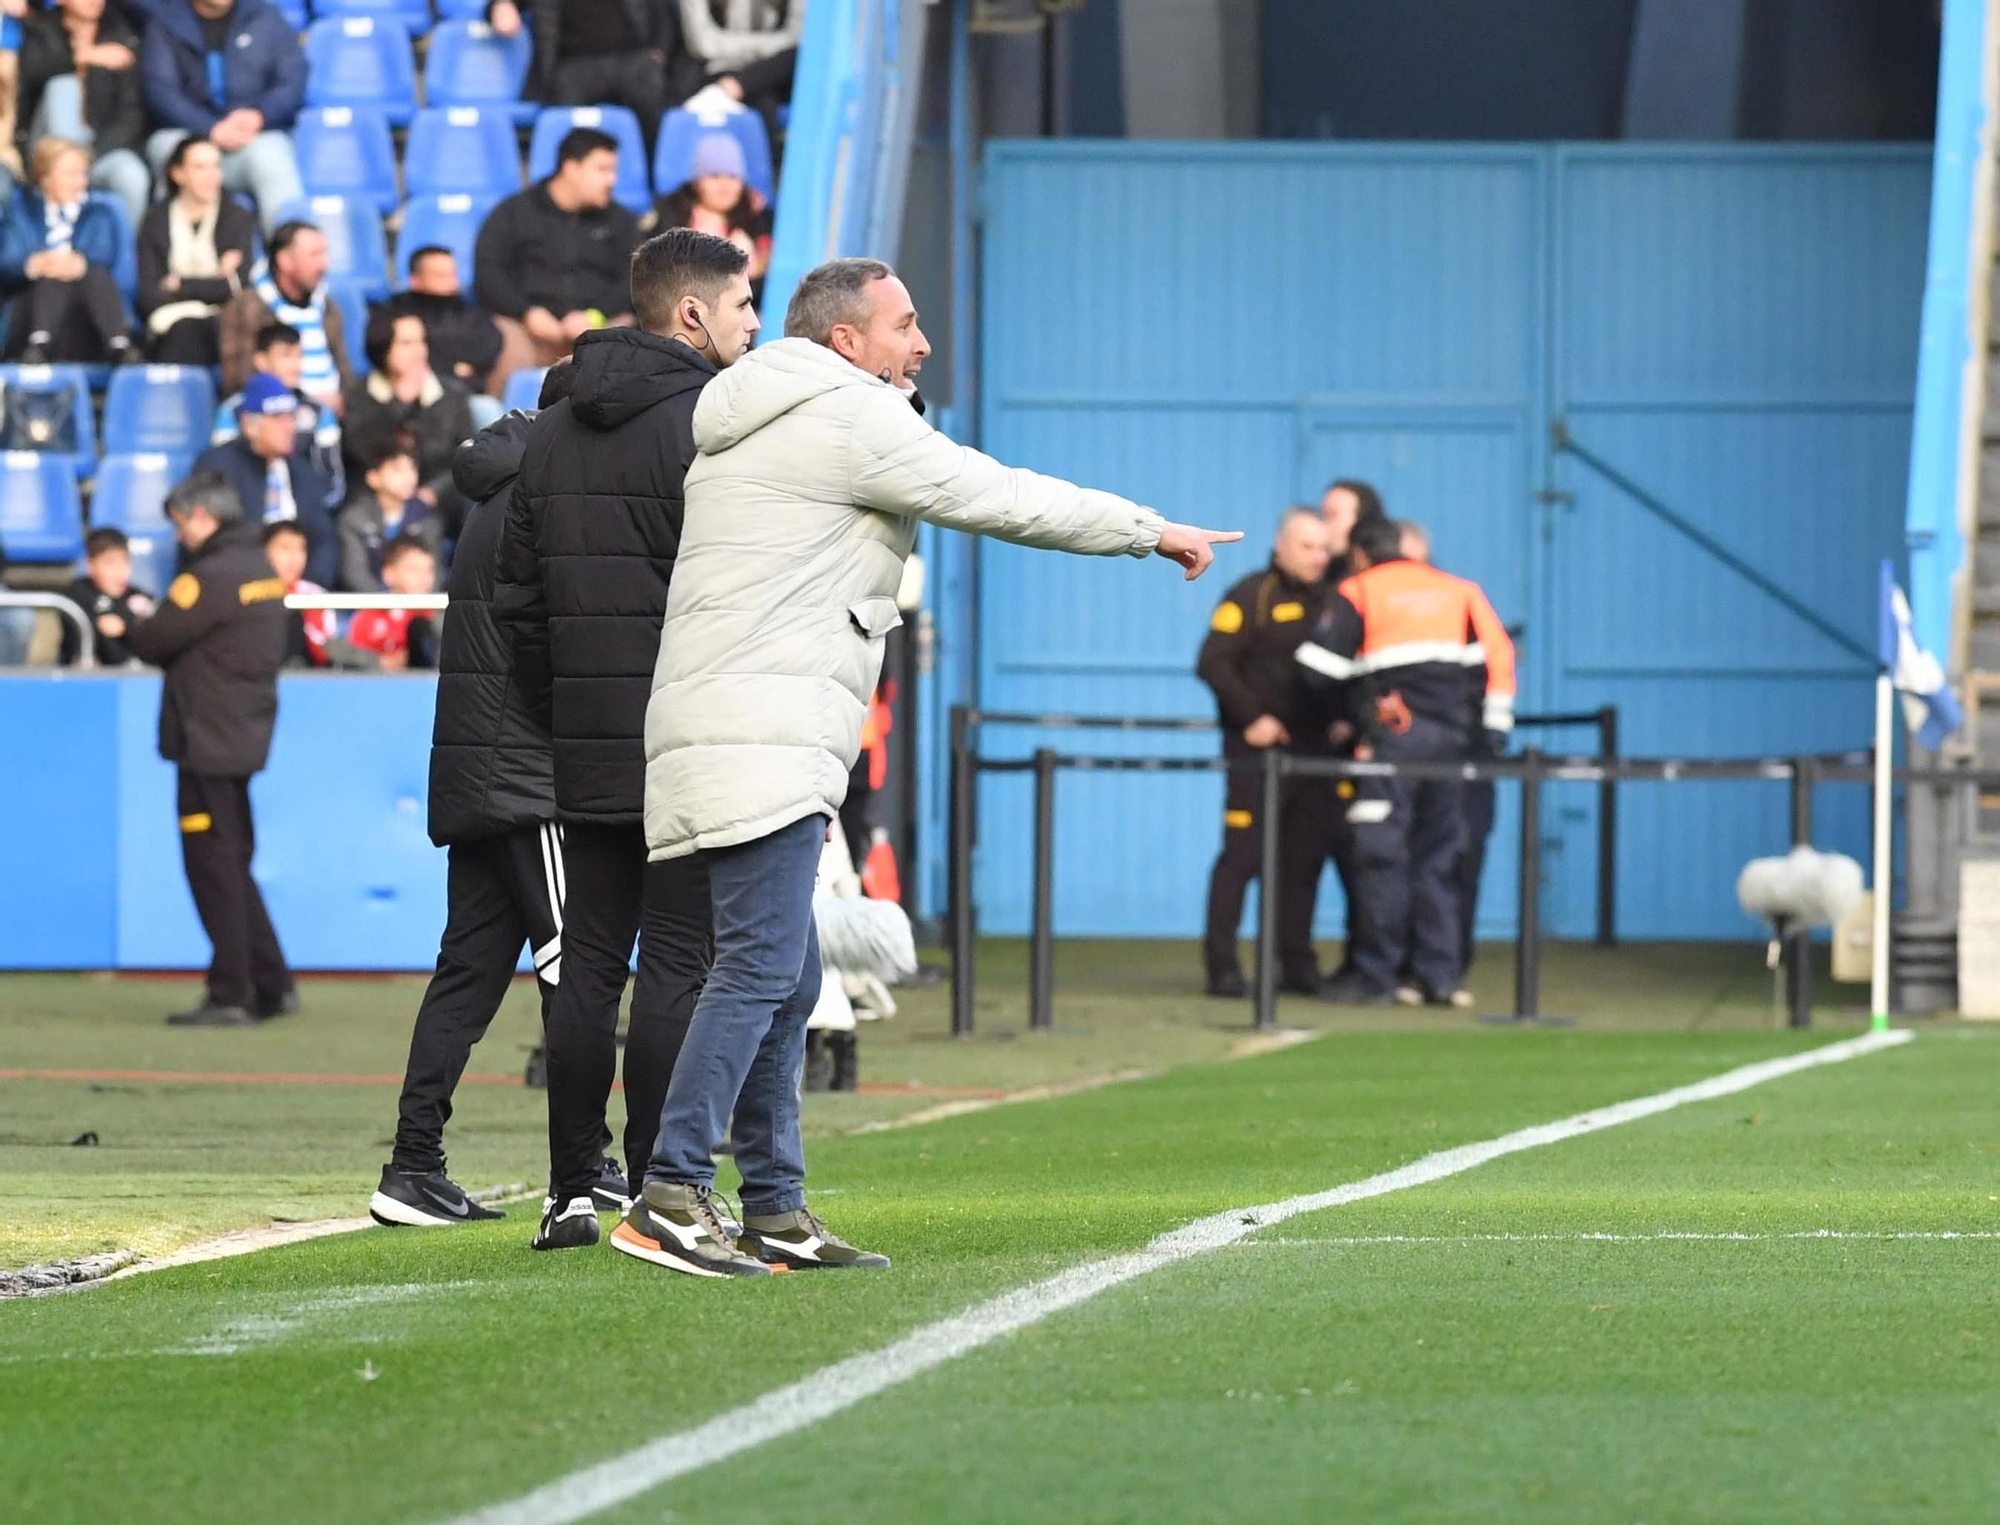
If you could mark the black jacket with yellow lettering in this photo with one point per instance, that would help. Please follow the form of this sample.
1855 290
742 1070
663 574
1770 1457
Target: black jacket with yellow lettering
1247 660
219 633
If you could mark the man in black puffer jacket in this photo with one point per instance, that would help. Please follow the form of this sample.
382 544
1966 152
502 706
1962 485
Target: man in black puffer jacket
588 552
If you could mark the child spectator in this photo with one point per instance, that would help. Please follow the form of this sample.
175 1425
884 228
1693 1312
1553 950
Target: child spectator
107 598
716 199
310 632
194 253
401 638
277 351
56 253
80 80
382 509
463 341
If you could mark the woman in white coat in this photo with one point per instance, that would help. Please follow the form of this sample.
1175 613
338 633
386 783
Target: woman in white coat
802 505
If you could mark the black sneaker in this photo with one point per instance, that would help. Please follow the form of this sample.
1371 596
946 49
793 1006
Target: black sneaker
1349 990
1226 986
286 1005
424 1199
213 1014
798 1241
571 1225
610 1190
675 1225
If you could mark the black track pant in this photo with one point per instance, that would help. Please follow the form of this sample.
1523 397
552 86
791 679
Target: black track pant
1409 835
501 892
71 320
631 80
1479 808
1302 849
613 896
218 839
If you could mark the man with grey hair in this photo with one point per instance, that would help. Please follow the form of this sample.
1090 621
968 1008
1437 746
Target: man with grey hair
220 635
812 452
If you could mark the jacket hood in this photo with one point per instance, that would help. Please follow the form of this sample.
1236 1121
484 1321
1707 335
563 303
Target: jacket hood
482 467
621 372
765 385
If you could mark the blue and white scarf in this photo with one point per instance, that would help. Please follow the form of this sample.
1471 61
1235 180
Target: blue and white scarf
322 377
60 221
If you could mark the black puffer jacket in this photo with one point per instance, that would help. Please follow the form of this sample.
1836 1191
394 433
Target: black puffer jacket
492 765
592 531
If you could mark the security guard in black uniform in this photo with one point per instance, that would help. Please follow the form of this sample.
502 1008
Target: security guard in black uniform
1247 662
220 635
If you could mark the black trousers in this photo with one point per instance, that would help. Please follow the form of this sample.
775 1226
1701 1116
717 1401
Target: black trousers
1409 837
73 320
614 895
1302 849
192 341
218 839
500 893
1479 808
631 80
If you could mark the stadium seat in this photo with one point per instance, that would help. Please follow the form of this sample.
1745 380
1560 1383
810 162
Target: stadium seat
554 124
469 64
462 149
461 10
41 511
130 494
414 15
158 408
449 220
524 388
352 300
361 61
294 12
681 130
347 151
357 250
80 429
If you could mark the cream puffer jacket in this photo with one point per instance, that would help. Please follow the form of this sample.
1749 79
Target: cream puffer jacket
801 508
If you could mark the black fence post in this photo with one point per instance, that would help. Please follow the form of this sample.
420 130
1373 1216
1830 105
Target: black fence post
1528 934
1607 831
1041 941
1267 890
1798 943
964 807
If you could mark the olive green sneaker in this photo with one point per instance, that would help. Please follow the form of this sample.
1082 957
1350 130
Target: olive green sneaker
675 1225
798 1241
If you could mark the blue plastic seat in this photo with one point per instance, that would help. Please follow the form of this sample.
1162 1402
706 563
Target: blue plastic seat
461 10
81 433
357 248
347 151
452 221
470 64
41 510
414 16
130 494
352 300
556 122
158 408
462 149
681 130
294 12
362 61
524 388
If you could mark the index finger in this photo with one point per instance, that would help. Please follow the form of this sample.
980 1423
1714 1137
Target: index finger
1222 537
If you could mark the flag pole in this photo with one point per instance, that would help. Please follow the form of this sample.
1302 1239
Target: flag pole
1885 758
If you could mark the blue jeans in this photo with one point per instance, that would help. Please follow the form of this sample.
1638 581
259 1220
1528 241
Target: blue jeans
746 1047
265 167
121 172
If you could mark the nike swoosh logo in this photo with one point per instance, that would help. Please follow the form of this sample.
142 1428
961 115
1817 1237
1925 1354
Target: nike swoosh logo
457 1209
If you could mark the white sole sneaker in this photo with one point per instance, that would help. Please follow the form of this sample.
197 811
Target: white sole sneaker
390 1213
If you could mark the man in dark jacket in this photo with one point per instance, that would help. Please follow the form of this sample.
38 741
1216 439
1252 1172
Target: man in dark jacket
552 260
594 52
220 635
1262 702
271 477
464 344
230 71
592 532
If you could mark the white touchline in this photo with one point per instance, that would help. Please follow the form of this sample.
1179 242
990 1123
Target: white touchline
832 1389
1664 1236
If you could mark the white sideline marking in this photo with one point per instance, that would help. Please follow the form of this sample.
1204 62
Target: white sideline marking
832 1389
255 1330
1363 1240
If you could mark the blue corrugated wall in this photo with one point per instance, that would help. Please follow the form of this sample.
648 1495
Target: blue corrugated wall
1219 329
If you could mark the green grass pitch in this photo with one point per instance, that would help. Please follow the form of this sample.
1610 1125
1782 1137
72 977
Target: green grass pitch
1782 1305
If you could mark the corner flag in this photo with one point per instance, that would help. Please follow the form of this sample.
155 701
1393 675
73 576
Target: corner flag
1930 708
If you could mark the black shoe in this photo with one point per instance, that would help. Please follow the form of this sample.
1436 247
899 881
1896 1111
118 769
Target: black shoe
212 1014
570 1225
286 1005
1299 984
846 1061
536 1078
1227 986
610 1190
1348 990
122 351
424 1199
36 350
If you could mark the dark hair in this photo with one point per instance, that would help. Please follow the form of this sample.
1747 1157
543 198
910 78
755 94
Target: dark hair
97 542
283 236
275 333
209 490
1379 539
381 333
403 545
558 381
677 207
581 143
279 527
1365 494
678 263
388 448
418 255
831 294
182 149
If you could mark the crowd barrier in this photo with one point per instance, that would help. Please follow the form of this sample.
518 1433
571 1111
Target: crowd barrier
1531 769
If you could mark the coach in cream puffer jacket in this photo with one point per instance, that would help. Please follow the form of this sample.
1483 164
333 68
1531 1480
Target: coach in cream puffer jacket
801 508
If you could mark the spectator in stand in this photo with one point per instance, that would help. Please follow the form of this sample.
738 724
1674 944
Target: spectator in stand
56 253
402 397
746 50
716 199
275 480
290 287
555 260
400 638
463 341
80 80
194 252
279 351
107 598
382 509
230 71
309 631
597 52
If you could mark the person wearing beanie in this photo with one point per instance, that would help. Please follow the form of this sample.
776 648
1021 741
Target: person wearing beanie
717 199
